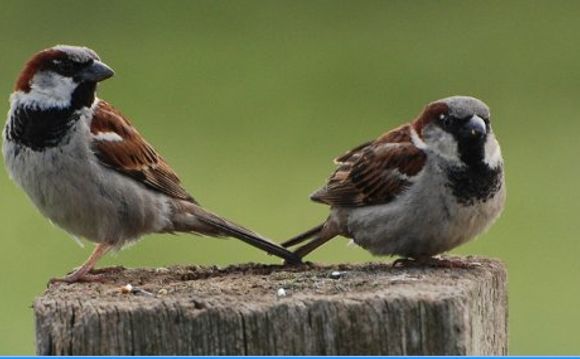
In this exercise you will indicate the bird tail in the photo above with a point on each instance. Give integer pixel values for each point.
(314, 238)
(212, 224)
(303, 236)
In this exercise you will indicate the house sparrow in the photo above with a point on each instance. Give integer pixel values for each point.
(419, 190)
(88, 170)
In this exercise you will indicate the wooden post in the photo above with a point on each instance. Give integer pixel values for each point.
(266, 309)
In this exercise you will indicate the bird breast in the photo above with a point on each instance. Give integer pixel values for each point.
(70, 187)
(426, 220)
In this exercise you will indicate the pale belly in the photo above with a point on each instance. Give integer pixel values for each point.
(84, 198)
(423, 225)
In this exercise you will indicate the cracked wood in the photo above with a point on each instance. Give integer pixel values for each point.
(239, 310)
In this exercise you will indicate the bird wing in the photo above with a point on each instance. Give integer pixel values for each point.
(118, 145)
(375, 172)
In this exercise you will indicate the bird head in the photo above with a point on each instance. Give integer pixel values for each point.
(62, 76)
(458, 128)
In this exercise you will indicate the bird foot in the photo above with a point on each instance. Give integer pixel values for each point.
(108, 270)
(433, 262)
(404, 263)
(77, 278)
(451, 263)
(86, 272)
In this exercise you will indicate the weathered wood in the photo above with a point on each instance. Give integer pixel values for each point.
(266, 309)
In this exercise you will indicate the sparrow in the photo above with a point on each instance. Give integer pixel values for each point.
(418, 190)
(89, 171)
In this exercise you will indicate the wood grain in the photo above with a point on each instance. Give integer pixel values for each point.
(366, 309)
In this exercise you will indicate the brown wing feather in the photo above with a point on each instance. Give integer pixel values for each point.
(373, 173)
(132, 156)
(345, 157)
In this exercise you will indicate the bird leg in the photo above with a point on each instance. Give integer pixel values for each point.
(81, 274)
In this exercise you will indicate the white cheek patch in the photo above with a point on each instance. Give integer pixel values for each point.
(442, 143)
(108, 136)
(48, 90)
(417, 141)
(492, 152)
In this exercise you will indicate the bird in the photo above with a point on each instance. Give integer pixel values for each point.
(418, 190)
(87, 168)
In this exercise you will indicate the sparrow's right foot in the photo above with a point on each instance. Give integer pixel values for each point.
(433, 262)
(107, 270)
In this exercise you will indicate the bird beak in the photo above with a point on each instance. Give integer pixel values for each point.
(96, 72)
(475, 127)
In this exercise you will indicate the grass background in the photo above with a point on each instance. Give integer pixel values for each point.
(250, 101)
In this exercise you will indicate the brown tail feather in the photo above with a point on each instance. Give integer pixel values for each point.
(231, 229)
(303, 236)
(312, 245)
(314, 238)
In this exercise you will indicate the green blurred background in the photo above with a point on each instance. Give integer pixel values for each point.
(251, 100)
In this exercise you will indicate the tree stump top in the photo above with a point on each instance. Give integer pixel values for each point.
(260, 284)
(286, 295)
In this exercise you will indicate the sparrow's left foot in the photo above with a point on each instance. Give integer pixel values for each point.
(434, 262)
(450, 263)
(77, 277)
(86, 273)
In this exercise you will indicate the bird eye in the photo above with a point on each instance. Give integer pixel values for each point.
(63, 66)
(445, 120)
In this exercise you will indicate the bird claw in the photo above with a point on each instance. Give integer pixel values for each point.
(434, 262)
(403, 263)
(74, 278)
(451, 263)
(107, 270)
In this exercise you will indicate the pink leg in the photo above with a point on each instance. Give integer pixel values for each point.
(81, 274)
